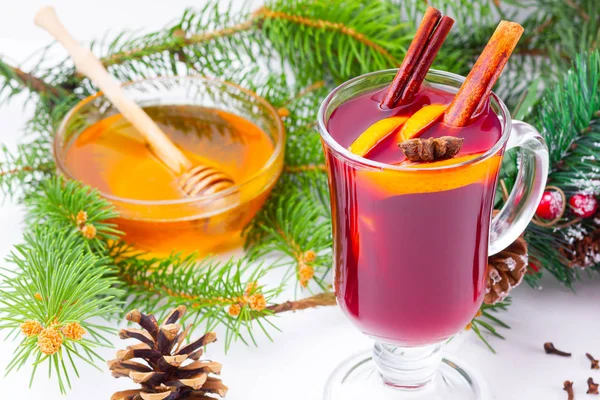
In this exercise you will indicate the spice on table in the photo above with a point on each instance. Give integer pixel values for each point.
(592, 386)
(593, 360)
(568, 387)
(550, 349)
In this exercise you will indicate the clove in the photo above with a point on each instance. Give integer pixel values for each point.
(550, 349)
(592, 386)
(568, 387)
(593, 360)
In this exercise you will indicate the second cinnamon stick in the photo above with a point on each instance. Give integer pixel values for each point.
(478, 85)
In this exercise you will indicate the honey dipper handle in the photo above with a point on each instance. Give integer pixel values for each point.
(87, 64)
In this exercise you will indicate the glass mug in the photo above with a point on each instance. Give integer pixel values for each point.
(411, 247)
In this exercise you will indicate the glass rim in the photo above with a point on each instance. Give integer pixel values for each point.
(365, 162)
(278, 147)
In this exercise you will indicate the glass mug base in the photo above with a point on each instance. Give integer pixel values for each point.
(359, 378)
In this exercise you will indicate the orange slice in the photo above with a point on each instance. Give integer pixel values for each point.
(374, 134)
(421, 120)
(393, 182)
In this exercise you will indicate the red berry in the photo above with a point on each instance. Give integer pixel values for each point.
(550, 206)
(583, 205)
(533, 268)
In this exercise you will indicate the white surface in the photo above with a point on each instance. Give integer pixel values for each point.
(296, 365)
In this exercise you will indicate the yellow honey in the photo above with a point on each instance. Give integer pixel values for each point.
(156, 215)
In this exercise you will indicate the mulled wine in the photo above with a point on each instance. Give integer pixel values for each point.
(412, 158)
(411, 246)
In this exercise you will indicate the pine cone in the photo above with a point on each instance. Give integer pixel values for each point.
(171, 372)
(585, 252)
(506, 271)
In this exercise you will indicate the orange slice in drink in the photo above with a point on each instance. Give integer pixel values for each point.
(397, 182)
(421, 120)
(374, 134)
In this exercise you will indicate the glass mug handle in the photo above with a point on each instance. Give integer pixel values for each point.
(528, 190)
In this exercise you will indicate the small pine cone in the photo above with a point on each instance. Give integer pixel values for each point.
(310, 256)
(257, 302)
(81, 218)
(170, 370)
(251, 287)
(585, 252)
(49, 341)
(73, 331)
(234, 310)
(283, 112)
(305, 274)
(31, 328)
(506, 271)
(89, 231)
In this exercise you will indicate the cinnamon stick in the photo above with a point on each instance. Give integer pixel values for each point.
(476, 89)
(413, 54)
(433, 47)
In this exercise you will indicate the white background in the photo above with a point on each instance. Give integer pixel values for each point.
(296, 365)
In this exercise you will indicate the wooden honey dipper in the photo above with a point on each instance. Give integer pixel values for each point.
(193, 179)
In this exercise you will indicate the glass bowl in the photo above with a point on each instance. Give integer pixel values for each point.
(202, 224)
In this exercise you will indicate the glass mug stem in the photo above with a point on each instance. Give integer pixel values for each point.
(407, 367)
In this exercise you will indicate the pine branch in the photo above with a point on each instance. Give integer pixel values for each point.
(216, 293)
(305, 168)
(572, 140)
(180, 38)
(57, 287)
(579, 93)
(338, 38)
(318, 300)
(290, 225)
(22, 170)
(326, 25)
(73, 207)
(486, 322)
(15, 80)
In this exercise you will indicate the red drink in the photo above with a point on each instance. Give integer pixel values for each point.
(411, 245)
(412, 200)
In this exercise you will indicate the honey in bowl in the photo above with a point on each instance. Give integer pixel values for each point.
(113, 157)
(106, 152)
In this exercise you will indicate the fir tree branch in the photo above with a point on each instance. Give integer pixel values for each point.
(57, 287)
(75, 208)
(330, 26)
(584, 15)
(180, 40)
(22, 169)
(572, 140)
(295, 169)
(318, 300)
(336, 37)
(27, 80)
(226, 293)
